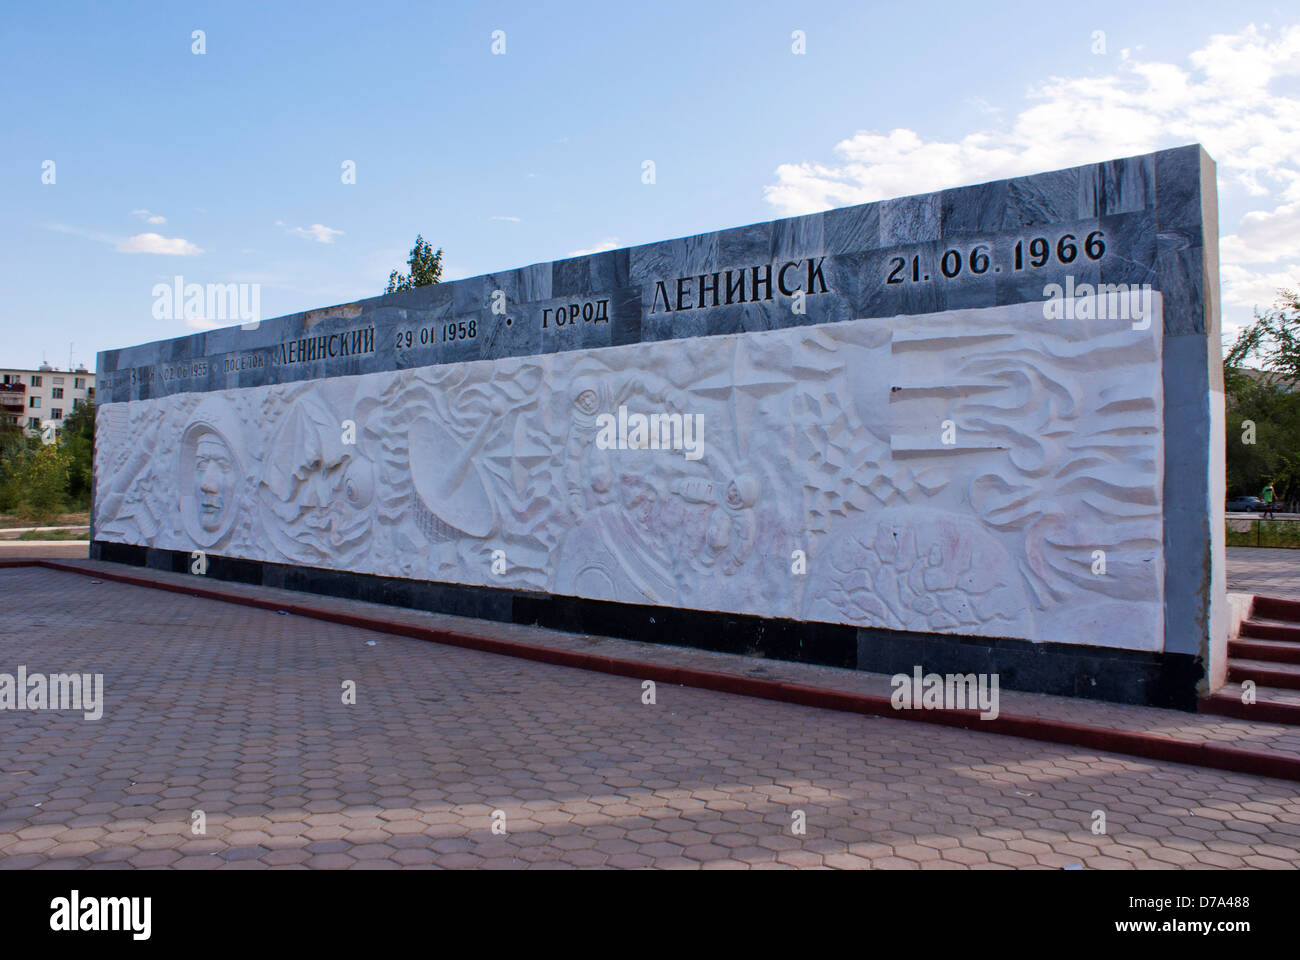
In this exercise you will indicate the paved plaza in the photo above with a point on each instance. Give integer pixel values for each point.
(53, 549)
(239, 713)
(1271, 572)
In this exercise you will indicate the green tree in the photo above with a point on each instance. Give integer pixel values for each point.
(1273, 339)
(44, 482)
(15, 447)
(425, 265)
(1263, 416)
(77, 443)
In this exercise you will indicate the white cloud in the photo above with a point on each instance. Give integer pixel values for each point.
(140, 243)
(1264, 236)
(1224, 103)
(317, 231)
(1250, 289)
(1223, 97)
(609, 243)
(157, 243)
(83, 232)
(507, 219)
(149, 217)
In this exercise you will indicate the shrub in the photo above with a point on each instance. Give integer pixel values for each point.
(44, 483)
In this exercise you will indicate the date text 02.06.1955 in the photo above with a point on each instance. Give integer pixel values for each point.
(981, 259)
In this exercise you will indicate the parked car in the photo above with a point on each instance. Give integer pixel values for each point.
(1246, 505)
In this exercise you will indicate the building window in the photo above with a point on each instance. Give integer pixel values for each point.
(58, 393)
(79, 383)
(34, 402)
(36, 381)
(33, 423)
(56, 413)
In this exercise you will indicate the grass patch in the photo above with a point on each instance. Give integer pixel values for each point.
(77, 518)
(1264, 533)
(54, 535)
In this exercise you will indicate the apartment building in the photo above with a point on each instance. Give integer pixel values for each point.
(33, 400)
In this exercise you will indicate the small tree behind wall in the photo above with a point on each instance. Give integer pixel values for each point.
(425, 265)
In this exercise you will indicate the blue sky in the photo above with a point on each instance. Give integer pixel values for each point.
(226, 167)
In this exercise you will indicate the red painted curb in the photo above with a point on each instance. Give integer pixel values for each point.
(1261, 711)
(1147, 745)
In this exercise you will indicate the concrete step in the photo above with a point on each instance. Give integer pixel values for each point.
(1280, 630)
(1269, 650)
(1276, 608)
(1284, 676)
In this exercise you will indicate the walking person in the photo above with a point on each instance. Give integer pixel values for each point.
(1267, 496)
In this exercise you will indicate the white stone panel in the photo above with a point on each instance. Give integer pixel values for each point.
(957, 472)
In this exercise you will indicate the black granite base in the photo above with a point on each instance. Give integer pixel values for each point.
(1092, 673)
(1063, 669)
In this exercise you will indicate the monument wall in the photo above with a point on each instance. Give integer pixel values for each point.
(972, 430)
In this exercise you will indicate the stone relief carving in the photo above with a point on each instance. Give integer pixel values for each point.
(213, 470)
(923, 570)
(316, 493)
(828, 439)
